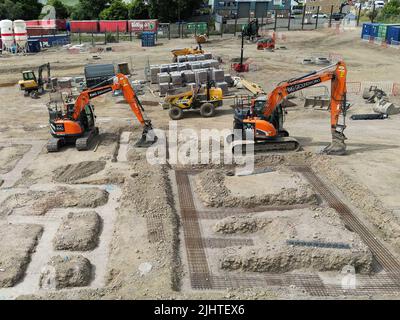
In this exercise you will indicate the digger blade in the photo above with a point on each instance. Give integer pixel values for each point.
(337, 146)
(147, 139)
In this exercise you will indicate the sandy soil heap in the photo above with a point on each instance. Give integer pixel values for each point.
(272, 253)
(66, 272)
(10, 155)
(77, 171)
(17, 242)
(271, 188)
(39, 202)
(78, 232)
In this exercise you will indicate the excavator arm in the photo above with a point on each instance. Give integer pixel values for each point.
(271, 132)
(121, 82)
(338, 90)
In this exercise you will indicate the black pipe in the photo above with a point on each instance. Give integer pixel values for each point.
(241, 51)
(369, 116)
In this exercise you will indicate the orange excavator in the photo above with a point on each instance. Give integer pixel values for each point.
(262, 123)
(76, 122)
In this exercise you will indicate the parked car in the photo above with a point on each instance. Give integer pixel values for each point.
(379, 4)
(320, 16)
(338, 16)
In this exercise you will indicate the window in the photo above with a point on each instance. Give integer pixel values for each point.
(29, 76)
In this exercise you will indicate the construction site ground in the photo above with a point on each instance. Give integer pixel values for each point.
(139, 231)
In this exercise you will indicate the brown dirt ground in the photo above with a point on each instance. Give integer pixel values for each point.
(369, 175)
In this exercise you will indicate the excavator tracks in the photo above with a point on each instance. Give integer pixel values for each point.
(281, 144)
(85, 142)
(53, 145)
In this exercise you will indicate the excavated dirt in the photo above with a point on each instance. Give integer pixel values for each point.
(66, 272)
(374, 209)
(216, 189)
(78, 232)
(39, 202)
(110, 175)
(240, 225)
(17, 242)
(77, 171)
(272, 253)
(10, 155)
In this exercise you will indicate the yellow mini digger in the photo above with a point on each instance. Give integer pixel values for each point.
(198, 98)
(32, 85)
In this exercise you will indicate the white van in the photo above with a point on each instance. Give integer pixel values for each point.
(379, 4)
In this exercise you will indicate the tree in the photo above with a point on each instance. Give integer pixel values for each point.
(62, 11)
(138, 9)
(372, 14)
(173, 10)
(89, 9)
(392, 8)
(20, 9)
(118, 10)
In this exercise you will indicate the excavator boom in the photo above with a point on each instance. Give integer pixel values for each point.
(266, 123)
(74, 125)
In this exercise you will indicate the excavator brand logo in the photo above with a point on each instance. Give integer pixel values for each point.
(99, 92)
(300, 86)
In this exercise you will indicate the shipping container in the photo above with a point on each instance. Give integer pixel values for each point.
(99, 74)
(393, 35)
(366, 30)
(38, 31)
(61, 24)
(84, 26)
(143, 25)
(52, 40)
(382, 30)
(374, 29)
(113, 26)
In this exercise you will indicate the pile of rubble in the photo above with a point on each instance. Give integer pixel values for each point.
(190, 70)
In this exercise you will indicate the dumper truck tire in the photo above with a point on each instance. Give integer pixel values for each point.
(175, 113)
(207, 110)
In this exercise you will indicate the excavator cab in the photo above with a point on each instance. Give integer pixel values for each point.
(88, 117)
(29, 75)
(29, 82)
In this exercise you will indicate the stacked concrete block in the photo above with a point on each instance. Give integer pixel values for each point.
(191, 57)
(164, 87)
(200, 57)
(218, 75)
(201, 76)
(173, 67)
(182, 67)
(164, 68)
(214, 63)
(182, 59)
(188, 76)
(190, 71)
(163, 78)
(176, 78)
(154, 71)
(206, 64)
(196, 65)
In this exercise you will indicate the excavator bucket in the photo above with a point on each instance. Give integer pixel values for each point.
(337, 146)
(147, 139)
